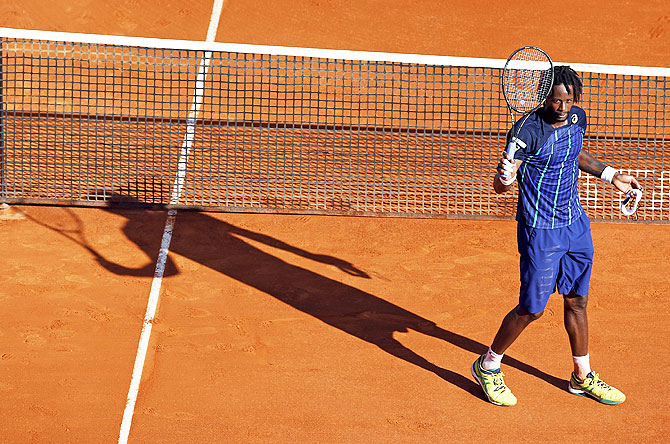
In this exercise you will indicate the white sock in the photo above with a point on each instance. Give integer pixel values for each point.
(492, 360)
(582, 365)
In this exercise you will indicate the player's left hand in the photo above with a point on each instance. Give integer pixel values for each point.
(625, 182)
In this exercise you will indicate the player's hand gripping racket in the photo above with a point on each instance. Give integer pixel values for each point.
(526, 82)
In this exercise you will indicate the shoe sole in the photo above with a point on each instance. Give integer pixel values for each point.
(474, 375)
(586, 394)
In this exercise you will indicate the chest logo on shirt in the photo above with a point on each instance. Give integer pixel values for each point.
(574, 118)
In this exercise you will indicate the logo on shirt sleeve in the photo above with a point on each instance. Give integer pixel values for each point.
(574, 118)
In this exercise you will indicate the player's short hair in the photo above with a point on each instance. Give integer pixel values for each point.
(564, 75)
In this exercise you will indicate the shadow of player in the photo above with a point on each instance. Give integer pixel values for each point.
(226, 248)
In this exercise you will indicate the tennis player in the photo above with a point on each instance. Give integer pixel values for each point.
(553, 235)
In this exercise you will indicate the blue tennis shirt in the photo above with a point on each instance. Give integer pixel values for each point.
(549, 175)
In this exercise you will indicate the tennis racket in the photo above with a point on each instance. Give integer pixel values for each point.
(630, 202)
(526, 82)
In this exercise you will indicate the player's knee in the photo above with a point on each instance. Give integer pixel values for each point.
(528, 316)
(575, 303)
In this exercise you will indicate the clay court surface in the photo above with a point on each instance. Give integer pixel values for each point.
(319, 329)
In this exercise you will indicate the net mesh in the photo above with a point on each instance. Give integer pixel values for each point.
(217, 129)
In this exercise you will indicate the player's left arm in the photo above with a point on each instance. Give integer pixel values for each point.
(591, 165)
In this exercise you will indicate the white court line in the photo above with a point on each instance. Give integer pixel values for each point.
(177, 189)
(370, 56)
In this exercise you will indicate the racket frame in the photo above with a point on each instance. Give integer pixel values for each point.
(635, 195)
(512, 146)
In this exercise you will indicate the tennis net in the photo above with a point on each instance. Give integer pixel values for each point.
(90, 119)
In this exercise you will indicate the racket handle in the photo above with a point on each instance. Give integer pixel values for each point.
(511, 149)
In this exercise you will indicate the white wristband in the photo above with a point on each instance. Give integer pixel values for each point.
(608, 174)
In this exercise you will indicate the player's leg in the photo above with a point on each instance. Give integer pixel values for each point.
(577, 325)
(486, 369)
(538, 270)
(573, 283)
(513, 324)
(539, 265)
(584, 381)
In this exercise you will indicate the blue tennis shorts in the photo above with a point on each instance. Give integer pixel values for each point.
(554, 259)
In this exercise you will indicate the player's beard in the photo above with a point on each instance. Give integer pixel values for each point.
(553, 116)
(558, 117)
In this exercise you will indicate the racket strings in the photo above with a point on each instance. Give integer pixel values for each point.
(527, 79)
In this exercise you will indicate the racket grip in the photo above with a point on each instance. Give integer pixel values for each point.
(511, 149)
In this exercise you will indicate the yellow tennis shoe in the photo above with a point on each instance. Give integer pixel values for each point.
(493, 384)
(595, 388)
